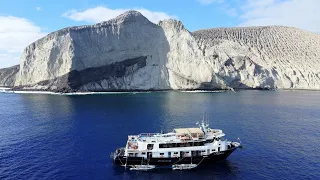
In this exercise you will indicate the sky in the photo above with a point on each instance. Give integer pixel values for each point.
(24, 21)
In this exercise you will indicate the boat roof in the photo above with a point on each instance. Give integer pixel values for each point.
(188, 131)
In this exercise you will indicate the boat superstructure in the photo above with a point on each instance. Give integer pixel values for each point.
(182, 148)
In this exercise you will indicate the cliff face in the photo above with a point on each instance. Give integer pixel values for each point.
(263, 57)
(131, 53)
(8, 75)
(128, 52)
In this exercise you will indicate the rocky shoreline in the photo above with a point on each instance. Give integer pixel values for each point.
(41, 91)
(8, 89)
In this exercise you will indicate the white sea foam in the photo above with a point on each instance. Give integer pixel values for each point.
(204, 91)
(4, 88)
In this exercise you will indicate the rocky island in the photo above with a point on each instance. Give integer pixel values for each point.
(131, 53)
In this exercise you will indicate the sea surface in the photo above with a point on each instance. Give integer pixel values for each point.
(71, 137)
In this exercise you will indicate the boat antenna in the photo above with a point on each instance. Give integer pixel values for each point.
(207, 119)
(203, 117)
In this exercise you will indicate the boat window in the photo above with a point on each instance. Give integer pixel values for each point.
(161, 154)
(174, 145)
(143, 153)
(209, 141)
(175, 153)
(203, 151)
(199, 143)
(213, 150)
(153, 141)
(150, 146)
(163, 145)
(189, 144)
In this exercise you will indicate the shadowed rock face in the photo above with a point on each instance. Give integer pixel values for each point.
(104, 76)
(8, 75)
(131, 53)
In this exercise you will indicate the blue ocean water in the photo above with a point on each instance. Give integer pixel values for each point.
(71, 137)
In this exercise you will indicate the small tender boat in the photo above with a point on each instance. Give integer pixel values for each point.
(183, 166)
(142, 167)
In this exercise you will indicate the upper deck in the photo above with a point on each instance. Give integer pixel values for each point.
(177, 136)
(194, 138)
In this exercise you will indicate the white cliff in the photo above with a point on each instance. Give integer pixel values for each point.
(128, 36)
(131, 53)
(263, 57)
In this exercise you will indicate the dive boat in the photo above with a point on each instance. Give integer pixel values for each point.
(183, 148)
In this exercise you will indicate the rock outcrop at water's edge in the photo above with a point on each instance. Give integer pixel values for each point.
(131, 53)
(8, 76)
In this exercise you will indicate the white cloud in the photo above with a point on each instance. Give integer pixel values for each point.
(303, 14)
(102, 13)
(207, 2)
(258, 3)
(15, 34)
(297, 13)
(38, 8)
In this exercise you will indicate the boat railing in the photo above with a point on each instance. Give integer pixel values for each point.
(147, 134)
(118, 152)
(189, 137)
(215, 131)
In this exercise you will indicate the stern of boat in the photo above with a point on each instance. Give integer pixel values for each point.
(117, 154)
